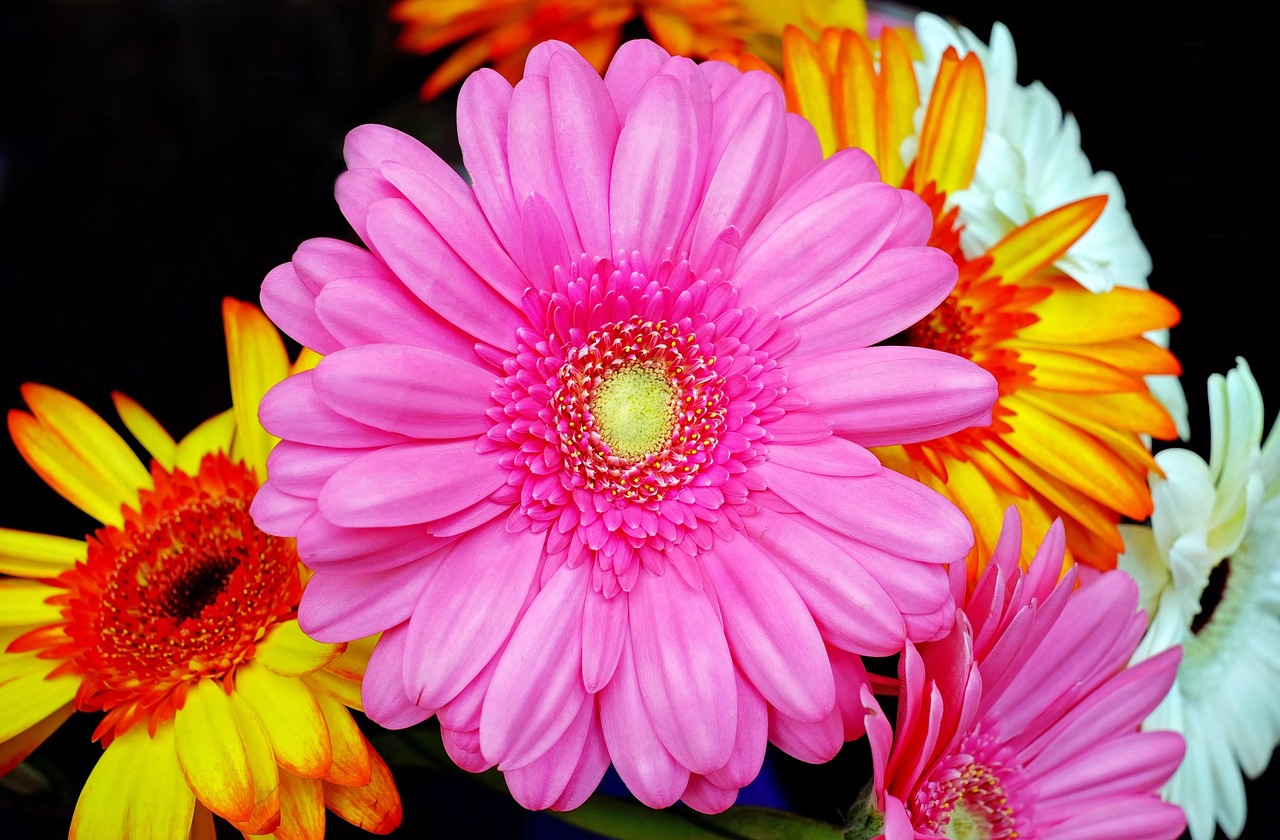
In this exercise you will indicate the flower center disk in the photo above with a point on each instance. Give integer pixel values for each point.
(635, 412)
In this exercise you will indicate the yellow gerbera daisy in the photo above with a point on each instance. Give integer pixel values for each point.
(1071, 430)
(501, 32)
(178, 620)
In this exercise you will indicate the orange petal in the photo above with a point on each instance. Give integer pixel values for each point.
(291, 717)
(349, 748)
(896, 100)
(375, 807)
(301, 808)
(853, 97)
(263, 769)
(211, 752)
(1038, 243)
(257, 359)
(808, 93)
(1074, 315)
(954, 121)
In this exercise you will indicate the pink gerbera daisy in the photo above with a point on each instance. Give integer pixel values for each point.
(588, 440)
(1024, 721)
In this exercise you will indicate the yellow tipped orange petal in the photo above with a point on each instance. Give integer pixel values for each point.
(301, 809)
(211, 752)
(1075, 373)
(15, 750)
(375, 807)
(136, 791)
(897, 97)
(153, 437)
(289, 652)
(257, 359)
(1072, 314)
(853, 97)
(807, 88)
(87, 435)
(1036, 244)
(31, 555)
(951, 136)
(291, 717)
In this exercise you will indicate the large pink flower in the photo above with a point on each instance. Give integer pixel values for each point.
(1023, 722)
(588, 440)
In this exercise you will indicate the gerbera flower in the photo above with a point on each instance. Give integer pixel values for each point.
(177, 620)
(1216, 532)
(502, 32)
(1070, 431)
(588, 441)
(1024, 721)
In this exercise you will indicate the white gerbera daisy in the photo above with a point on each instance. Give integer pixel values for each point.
(1032, 162)
(1216, 524)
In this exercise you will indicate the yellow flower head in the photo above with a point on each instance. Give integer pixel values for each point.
(177, 619)
(1071, 429)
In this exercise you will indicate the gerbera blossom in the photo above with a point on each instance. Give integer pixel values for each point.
(588, 440)
(502, 32)
(1070, 433)
(1024, 722)
(1215, 532)
(177, 620)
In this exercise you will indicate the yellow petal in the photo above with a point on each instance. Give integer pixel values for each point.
(1030, 247)
(202, 827)
(289, 652)
(153, 437)
(954, 121)
(211, 752)
(213, 435)
(342, 678)
(375, 807)
(257, 360)
(87, 435)
(135, 792)
(301, 809)
(349, 748)
(307, 360)
(292, 718)
(32, 555)
(70, 475)
(806, 85)
(23, 602)
(262, 769)
(29, 697)
(15, 750)
(896, 100)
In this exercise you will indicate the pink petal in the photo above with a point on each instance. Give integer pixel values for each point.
(720, 75)
(644, 764)
(291, 306)
(832, 238)
(687, 672)
(531, 149)
(893, 291)
(382, 692)
(604, 627)
(361, 312)
(301, 469)
(484, 104)
(916, 225)
(771, 634)
(887, 396)
(292, 410)
(1137, 763)
(886, 510)
(432, 271)
(278, 513)
(652, 182)
(321, 541)
(342, 608)
(701, 795)
(1147, 818)
(537, 688)
(463, 746)
(356, 190)
(544, 244)
(468, 608)
(845, 599)
(410, 390)
(829, 456)
(749, 744)
(633, 64)
(410, 483)
(804, 155)
(541, 782)
(815, 743)
(586, 132)
(592, 765)
(850, 677)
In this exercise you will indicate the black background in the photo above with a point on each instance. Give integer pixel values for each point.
(157, 155)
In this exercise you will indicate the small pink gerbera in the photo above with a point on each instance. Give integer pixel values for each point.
(1023, 722)
(588, 441)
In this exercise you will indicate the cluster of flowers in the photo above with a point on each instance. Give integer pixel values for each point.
(732, 361)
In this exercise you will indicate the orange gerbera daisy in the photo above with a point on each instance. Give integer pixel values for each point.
(178, 620)
(1071, 428)
(501, 32)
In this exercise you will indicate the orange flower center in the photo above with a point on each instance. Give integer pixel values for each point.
(182, 591)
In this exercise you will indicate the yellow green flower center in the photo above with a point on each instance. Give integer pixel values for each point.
(635, 411)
